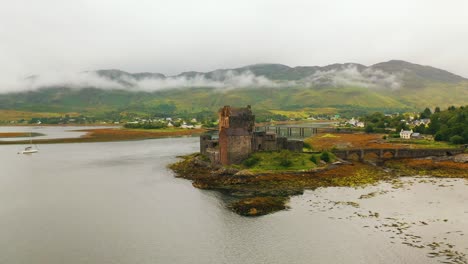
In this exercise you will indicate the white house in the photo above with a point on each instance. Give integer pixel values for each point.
(406, 134)
(187, 126)
(353, 121)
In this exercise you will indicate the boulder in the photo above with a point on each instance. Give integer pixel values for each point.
(462, 158)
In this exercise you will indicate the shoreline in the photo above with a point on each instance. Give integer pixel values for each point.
(256, 194)
(112, 135)
(60, 125)
(246, 184)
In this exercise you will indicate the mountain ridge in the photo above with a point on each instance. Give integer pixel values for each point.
(411, 74)
(391, 66)
(347, 87)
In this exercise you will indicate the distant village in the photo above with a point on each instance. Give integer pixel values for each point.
(410, 122)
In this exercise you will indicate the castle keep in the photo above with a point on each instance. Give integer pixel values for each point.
(237, 138)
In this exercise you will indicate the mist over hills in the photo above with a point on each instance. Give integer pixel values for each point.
(411, 75)
(391, 86)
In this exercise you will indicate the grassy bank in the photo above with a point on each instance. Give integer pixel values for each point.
(423, 143)
(375, 141)
(18, 134)
(278, 161)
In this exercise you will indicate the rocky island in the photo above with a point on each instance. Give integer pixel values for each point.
(260, 170)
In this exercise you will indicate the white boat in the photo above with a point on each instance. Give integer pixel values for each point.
(30, 149)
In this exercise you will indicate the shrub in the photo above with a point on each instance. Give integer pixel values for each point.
(314, 159)
(285, 163)
(307, 145)
(285, 159)
(251, 161)
(327, 156)
(369, 129)
(456, 139)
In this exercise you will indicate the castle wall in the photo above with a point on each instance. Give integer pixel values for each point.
(213, 155)
(295, 145)
(237, 139)
(239, 148)
(264, 141)
(207, 143)
(281, 143)
(235, 134)
(204, 139)
(223, 147)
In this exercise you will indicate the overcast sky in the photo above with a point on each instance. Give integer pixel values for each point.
(172, 36)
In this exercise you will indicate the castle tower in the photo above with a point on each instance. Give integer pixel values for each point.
(236, 127)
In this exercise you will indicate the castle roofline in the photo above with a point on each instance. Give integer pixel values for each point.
(237, 111)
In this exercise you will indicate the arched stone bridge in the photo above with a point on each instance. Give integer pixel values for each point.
(396, 153)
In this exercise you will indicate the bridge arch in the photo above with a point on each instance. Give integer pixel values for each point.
(372, 155)
(388, 154)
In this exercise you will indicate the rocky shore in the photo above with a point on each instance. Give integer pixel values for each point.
(258, 194)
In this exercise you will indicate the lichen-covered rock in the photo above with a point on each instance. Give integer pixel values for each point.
(462, 158)
(244, 173)
(256, 206)
(224, 171)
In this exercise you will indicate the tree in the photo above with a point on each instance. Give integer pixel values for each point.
(420, 129)
(456, 139)
(438, 136)
(369, 128)
(314, 159)
(401, 125)
(426, 113)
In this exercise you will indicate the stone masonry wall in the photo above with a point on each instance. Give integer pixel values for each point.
(239, 148)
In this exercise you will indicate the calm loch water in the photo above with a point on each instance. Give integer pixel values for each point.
(118, 203)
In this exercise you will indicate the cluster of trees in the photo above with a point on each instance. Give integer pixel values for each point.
(60, 120)
(146, 125)
(263, 116)
(348, 112)
(449, 125)
(380, 123)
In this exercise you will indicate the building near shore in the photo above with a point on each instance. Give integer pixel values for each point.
(237, 138)
(406, 134)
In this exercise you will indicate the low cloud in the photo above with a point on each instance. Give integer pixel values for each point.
(225, 80)
(352, 76)
(345, 76)
(58, 79)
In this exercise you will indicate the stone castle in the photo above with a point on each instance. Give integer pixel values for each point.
(238, 138)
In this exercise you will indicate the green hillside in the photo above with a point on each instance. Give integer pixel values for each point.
(348, 88)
